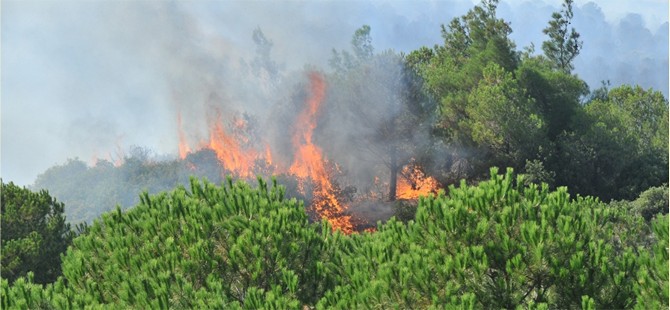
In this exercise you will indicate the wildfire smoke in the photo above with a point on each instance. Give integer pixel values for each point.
(236, 152)
(309, 161)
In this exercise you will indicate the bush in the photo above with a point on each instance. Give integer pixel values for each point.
(499, 244)
(210, 247)
(404, 210)
(652, 202)
(34, 234)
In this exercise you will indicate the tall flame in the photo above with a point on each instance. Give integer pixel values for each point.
(232, 150)
(239, 155)
(309, 161)
(184, 149)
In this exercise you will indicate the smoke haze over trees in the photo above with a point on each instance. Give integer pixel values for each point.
(377, 158)
(89, 80)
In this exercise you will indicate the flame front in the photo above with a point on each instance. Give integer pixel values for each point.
(230, 150)
(239, 155)
(413, 183)
(308, 162)
(184, 149)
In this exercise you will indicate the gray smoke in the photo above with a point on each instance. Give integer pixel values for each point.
(90, 79)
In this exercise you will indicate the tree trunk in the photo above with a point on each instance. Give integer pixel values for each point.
(393, 183)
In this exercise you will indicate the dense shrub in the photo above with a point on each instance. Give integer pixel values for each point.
(498, 244)
(34, 234)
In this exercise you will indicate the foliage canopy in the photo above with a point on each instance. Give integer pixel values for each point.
(34, 234)
(498, 244)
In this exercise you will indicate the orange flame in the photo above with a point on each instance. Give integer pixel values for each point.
(413, 183)
(231, 150)
(184, 149)
(238, 154)
(309, 161)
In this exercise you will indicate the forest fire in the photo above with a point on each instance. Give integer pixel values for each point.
(233, 150)
(184, 149)
(308, 161)
(243, 154)
(237, 154)
(413, 183)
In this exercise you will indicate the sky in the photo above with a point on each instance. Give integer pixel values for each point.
(655, 12)
(89, 79)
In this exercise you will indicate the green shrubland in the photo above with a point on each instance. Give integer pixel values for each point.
(499, 244)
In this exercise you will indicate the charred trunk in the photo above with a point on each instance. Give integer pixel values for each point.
(393, 183)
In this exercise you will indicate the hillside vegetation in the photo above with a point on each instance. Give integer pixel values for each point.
(500, 244)
(577, 220)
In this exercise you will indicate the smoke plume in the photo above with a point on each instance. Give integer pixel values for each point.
(91, 79)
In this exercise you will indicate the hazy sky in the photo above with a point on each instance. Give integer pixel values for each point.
(655, 12)
(89, 79)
